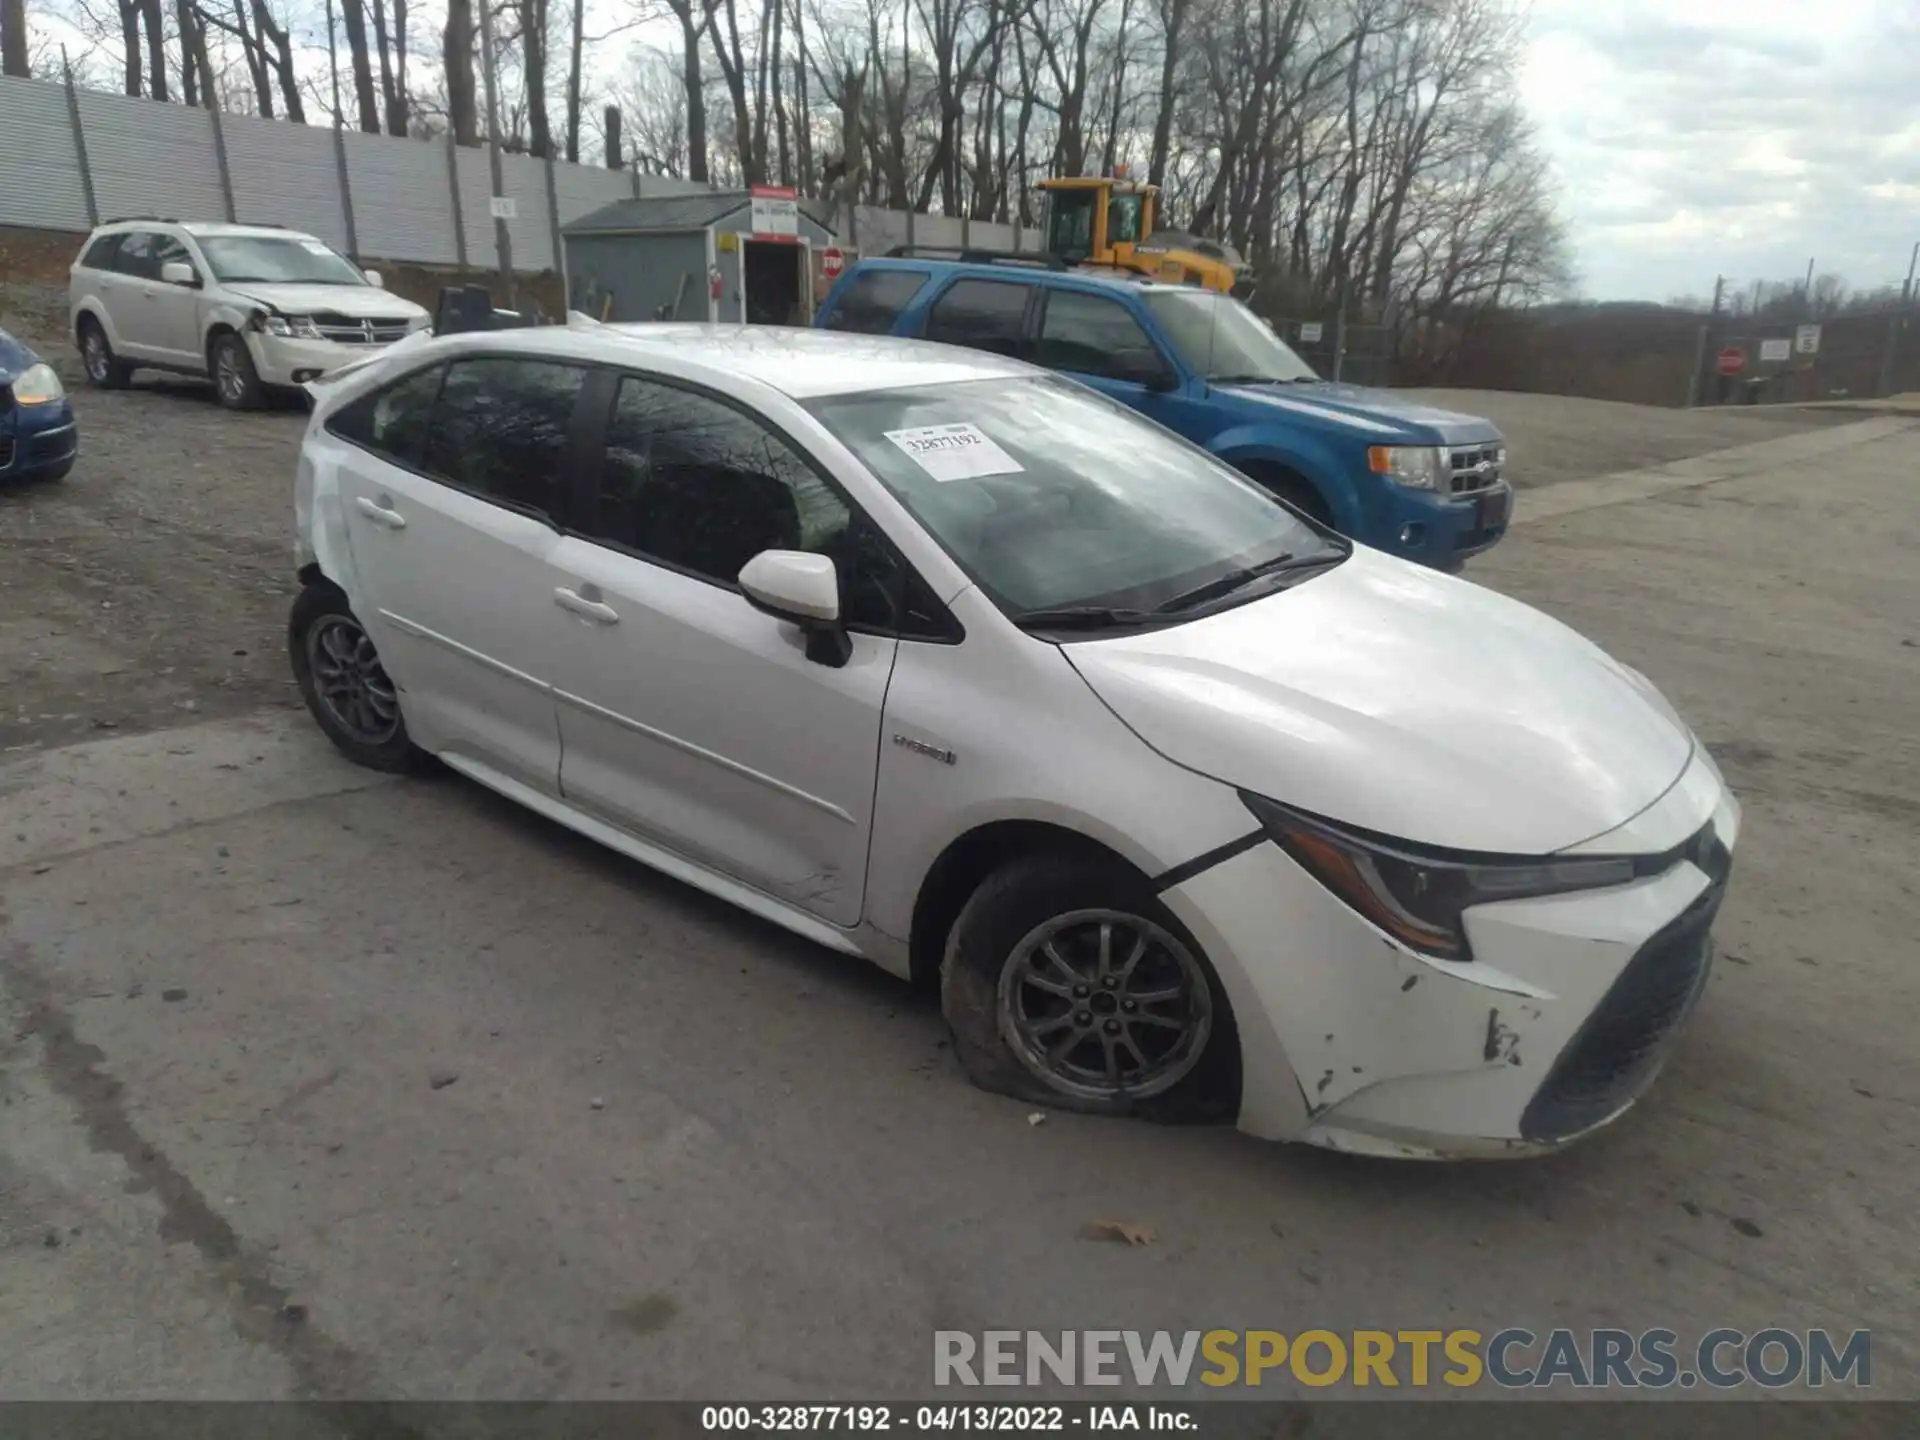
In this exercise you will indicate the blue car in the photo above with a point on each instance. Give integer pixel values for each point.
(38, 437)
(1425, 484)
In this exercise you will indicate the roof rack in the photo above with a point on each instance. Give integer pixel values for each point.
(969, 256)
(124, 219)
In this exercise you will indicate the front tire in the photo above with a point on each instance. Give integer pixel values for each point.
(105, 370)
(1067, 984)
(235, 380)
(346, 688)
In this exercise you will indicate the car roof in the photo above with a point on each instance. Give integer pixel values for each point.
(1036, 273)
(206, 228)
(802, 364)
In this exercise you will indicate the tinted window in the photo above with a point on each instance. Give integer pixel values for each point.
(1095, 336)
(135, 255)
(99, 255)
(981, 314)
(873, 300)
(501, 429)
(695, 483)
(392, 421)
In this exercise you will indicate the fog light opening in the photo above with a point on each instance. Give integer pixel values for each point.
(1413, 534)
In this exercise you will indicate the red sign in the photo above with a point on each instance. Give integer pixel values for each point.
(1732, 360)
(832, 261)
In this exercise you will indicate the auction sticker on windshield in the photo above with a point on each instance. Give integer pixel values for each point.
(954, 452)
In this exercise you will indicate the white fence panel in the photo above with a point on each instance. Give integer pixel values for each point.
(878, 231)
(39, 170)
(151, 159)
(286, 174)
(526, 182)
(403, 200)
(581, 189)
(528, 231)
(937, 230)
(988, 235)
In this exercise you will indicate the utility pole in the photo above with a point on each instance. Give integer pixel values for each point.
(333, 64)
(502, 242)
(1906, 290)
(1806, 292)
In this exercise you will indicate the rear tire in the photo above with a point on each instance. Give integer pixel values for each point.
(1067, 984)
(235, 380)
(346, 688)
(105, 370)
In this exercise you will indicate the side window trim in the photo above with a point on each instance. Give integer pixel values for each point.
(587, 487)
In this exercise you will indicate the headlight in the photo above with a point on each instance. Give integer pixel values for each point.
(418, 322)
(38, 385)
(299, 327)
(1418, 467)
(1418, 895)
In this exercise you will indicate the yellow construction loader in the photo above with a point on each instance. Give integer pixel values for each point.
(1111, 221)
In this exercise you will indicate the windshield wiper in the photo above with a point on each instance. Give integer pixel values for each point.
(1261, 379)
(1081, 617)
(1237, 579)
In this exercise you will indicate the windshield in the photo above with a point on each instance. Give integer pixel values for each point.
(1052, 496)
(1070, 228)
(1123, 219)
(1224, 340)
(277, 259)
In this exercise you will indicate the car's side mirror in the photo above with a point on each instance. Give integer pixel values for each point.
(803, 590)
(375, 279)
(179, 272)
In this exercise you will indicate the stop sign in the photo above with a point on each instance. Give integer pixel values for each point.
(1732, 360)
(832, 261)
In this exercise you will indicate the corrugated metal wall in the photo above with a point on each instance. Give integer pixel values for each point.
(285, 175)
(39, 172)
(402, 203)
(148, 159)
(153, 159)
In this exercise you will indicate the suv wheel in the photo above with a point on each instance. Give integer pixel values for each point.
(105, 370)
(345, 685)
(234, 378)
(1067, 984)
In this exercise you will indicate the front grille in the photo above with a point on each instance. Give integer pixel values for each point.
(351, 330)
(1620, 1047)
(1477, 468)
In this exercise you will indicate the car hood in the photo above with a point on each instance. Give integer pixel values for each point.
(362, 302)
(14, 357)
(1382, 415)
(1401, 701)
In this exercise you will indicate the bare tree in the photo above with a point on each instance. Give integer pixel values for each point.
(13, 38)
(456, 59)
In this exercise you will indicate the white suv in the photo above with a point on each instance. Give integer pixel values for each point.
(1193, 807)
(253, 307)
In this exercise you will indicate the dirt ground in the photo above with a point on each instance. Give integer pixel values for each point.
(323, 1085)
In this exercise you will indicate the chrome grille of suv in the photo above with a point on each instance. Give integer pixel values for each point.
(1468, 475)
(350, 330)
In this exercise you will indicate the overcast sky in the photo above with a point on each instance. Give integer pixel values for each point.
(1739, 137)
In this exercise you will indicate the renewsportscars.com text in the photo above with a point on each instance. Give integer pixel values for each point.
(1512, 1358)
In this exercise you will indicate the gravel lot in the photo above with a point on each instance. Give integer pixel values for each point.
(323, 1085)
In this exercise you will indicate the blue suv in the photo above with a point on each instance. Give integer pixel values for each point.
(1425, 484)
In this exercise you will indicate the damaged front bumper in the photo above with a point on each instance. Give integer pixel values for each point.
(1560, 1021)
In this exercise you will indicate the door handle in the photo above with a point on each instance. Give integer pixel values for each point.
(587, 609)
(380, 514)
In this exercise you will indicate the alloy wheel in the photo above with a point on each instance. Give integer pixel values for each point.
(95, 349)
(1101, 1004)
(350, 681)
(227, 376)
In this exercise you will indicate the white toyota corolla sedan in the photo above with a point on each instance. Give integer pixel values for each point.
(1195, 809)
